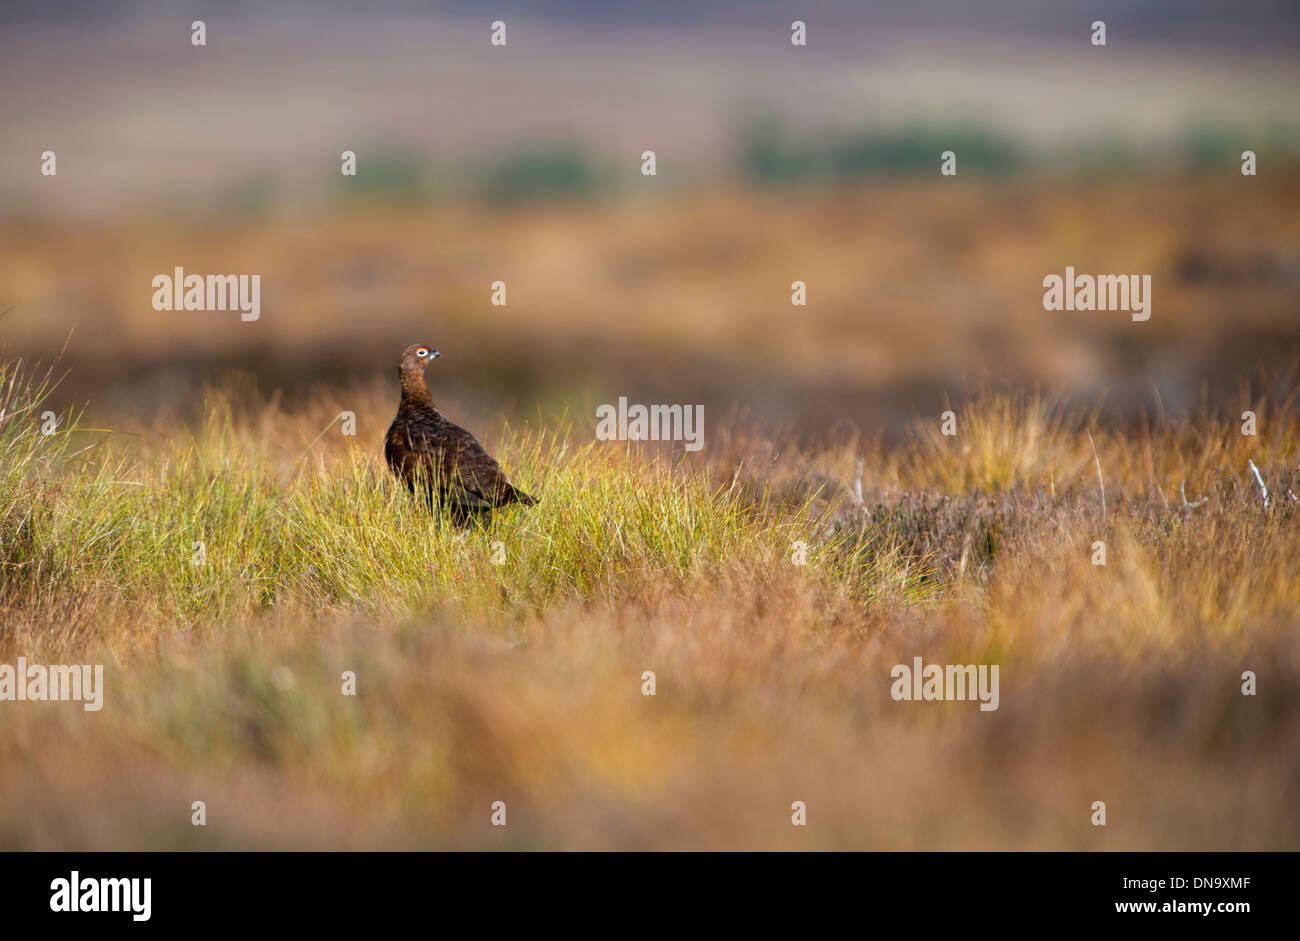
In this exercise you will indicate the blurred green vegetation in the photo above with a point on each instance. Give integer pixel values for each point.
(771, 155)
(557, 170)
(391, 177)
(1210, 143)
(768, 153)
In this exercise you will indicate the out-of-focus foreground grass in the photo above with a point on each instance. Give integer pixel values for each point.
(228, 572)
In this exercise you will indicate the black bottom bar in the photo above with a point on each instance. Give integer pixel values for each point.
(659, 891)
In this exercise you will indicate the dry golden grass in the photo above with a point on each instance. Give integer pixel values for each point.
(522, 682)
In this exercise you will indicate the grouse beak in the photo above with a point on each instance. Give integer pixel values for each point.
(434, 354)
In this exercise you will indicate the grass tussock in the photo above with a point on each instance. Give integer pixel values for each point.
(229, 572)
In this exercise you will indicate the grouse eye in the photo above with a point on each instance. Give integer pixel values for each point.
(422, 352)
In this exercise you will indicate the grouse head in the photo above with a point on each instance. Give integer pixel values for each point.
(414, 359)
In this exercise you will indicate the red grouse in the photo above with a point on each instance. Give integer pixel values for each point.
(429, 453)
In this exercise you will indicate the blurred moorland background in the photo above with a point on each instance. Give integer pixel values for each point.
(775, 164)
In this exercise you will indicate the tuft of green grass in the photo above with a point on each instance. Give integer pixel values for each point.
(209, 527)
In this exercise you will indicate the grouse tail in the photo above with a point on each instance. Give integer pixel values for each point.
(522, 498)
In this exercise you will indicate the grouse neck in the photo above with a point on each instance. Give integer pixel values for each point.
(414, 389)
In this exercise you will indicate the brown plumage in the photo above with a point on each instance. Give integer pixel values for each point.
(428, 452)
